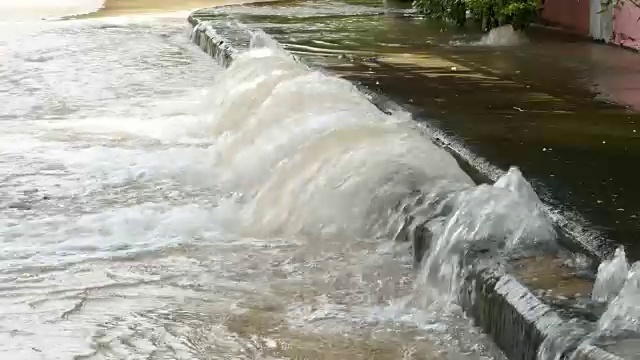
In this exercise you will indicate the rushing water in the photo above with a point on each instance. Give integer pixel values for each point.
(612, 275)
(156, 206)
(618, 283)
(618, 329)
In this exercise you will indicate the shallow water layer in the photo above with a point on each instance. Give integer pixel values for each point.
(153, 205)
(129, 7)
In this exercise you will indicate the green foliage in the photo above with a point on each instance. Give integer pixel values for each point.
(492, 13)
(453, 10)
(520, 14)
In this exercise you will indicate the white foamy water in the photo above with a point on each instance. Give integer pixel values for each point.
(623, 312)
(154, 205)
(498, 219)
(618, 329)
(20, 10)
(618, 282)
(612, 274)
(502, 36)
(497, 37)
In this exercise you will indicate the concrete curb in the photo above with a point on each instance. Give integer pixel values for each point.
(515, 319)
(212, 42)
(518, 322)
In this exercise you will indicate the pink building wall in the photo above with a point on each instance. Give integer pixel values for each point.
(626, 27)
(577, 16)
(572, 15)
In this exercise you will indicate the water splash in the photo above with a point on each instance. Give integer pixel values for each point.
(618, 329)
(623, 312)
(313, 157)
(493, 220)
(500, 36)
(612, 275)
(503, 36)
(139, 195)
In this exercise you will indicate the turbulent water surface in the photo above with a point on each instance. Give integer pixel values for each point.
(156, 206)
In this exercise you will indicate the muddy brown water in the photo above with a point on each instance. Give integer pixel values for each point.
(559, 107)
(125, 7)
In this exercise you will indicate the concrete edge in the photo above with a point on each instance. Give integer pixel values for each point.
(211, 42)
(517, 321)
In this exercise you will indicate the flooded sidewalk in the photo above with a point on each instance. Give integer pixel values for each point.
(562, 109)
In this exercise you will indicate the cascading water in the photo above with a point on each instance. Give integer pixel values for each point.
(496, 220)
(330, 164)
(618, 283)
(156, 205)
(313, 155)
(618, 329)
(612, 275)
(623, 312)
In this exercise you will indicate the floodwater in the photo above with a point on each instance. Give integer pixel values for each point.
(564, 110)
(156, 206)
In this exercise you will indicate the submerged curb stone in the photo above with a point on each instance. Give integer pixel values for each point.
(518, 322)
(516, 319)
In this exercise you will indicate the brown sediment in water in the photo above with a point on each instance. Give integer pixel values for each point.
(552, 275)
(272, 337)
(129, 7)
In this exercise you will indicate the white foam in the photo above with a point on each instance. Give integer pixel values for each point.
(623, 313)
(504, 217)
(497, 37)
(502, 36)
(316, 158)
(114, 163)
(618, 282)
(317, 155)
(612, 274)
(11, 10)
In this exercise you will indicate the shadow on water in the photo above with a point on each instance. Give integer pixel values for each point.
(557, 106)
